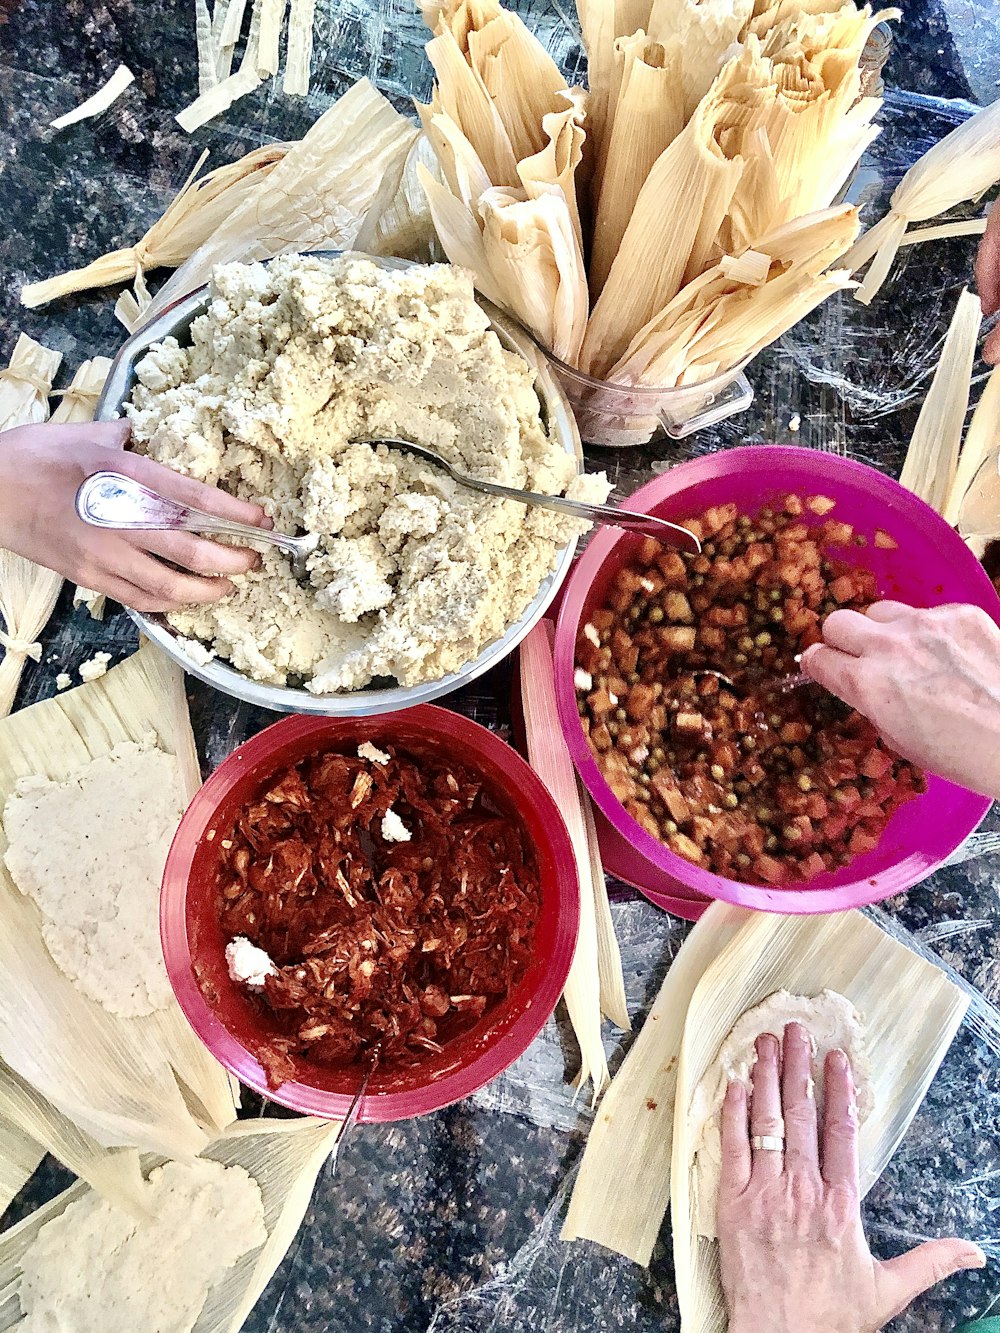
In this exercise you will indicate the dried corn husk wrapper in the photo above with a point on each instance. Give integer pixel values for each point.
(639, 1154)
(28, 593)
(932, 457)
(284, 1157)
(623, 1187)
(32, 1126)
(220, 96)
(202, 205)
(974, 502)
(100, 101)
(706, 33)
(406, 229)
(300, 43)
(725, 317)
(328, 192)
(550, 759)
(602, 22)
(139, 1082)
(906, 1038)
(963, 165)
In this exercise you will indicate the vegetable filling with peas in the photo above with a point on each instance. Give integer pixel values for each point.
(739, 775)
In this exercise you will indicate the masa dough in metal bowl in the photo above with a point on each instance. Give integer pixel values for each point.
(833, 1024)
(289, 366)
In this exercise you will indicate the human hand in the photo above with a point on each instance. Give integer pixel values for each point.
(988, 281)
(792, 1249)
(928, 680)
(41, 469)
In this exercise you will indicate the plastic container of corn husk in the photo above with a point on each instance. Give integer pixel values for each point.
(930, 566)
(233, 1028)
(624, 416)
(388, 695)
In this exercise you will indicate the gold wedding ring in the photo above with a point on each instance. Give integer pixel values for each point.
(767, 1143)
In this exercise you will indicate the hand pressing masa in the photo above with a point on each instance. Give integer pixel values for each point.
(792, 1249)
(41, 469)
(928, 679)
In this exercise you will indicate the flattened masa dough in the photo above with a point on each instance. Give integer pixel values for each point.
(95, 1269)
(90, 852)
(289, 367)
(833, 1023)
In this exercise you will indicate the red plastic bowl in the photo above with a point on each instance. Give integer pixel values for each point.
(191, 933)
(930, 567)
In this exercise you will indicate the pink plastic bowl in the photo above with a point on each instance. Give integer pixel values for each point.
(931, 567)
(232, 1027)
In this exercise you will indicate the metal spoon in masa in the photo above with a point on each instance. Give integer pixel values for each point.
(670, 534)
(110, 500)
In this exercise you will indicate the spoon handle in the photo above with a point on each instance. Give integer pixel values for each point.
(650, 526)
(110, 500)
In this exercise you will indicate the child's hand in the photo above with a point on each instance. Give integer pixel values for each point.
(988, 281)
(41, 470)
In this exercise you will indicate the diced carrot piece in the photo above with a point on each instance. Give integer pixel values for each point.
(861, 842)
(793, 733)
(672, 567)
(834, 828)
(793, 505)
(649, 549)
(812, 866)
(842, 589)
(884, 542)
(639, 702)
(817, 806)
(837, 534)
(683, 846)
(678, 638)
(769, 869)
(876, 764)
(820, 504)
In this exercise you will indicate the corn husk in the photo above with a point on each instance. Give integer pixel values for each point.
(300, 44)
(602, 22)
(325, 191)
(910, 1011)
(100, 101)
(534, 257)
(723, 318)
(28, 593)
(946, 231)
(961, 166)
(972, 505)
(552, 170)
(550, 759)
(20, 1158)
(272, 18)
(201, 206)
(208, 68)
(647, 114)
(614, 1004)
(706, 32)
(40, 1128)
(459, 233)
(221, 96)
(406, 229)
(700, 183)
(623, 1187)
(461, 95)
(283, 1156)
(144, 1082)
(932, 457)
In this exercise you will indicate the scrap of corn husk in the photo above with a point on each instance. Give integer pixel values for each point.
(28, 593)
(100, 101)
(961, 166)
(932, 457)
(327, 192)
(201, 206)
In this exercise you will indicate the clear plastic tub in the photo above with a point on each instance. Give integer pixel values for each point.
(931, 566)
(620, 416)
(232, 1028)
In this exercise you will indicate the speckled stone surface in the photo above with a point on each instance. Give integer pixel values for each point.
(451, 1223)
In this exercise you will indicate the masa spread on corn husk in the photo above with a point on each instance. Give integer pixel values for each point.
(90, 852)
(833, 1024)
(289, 366)
(113, 1281)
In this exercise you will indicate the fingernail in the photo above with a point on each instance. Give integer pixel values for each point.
(767, 1045)
(736, 1093)
(977, 1257)
(840, 1060)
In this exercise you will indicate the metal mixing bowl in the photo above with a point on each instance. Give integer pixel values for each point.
(176, 322)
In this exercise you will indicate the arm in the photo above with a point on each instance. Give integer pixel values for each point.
(988, 281)
(41, 469)
(929, 680)
(792, 1250)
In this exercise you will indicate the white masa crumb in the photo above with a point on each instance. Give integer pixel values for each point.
(795, 423)
(64, 680)
(247, 963)
(393, 828)
(583, 680)
(95, 668)
(368, 751)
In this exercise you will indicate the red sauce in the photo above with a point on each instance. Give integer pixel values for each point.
(402, 945)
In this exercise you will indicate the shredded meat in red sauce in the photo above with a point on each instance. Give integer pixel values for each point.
(752, 783)
(400, 944)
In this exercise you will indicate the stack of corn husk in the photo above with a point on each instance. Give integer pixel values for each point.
(348, 183)
(640, 1154)
(640, 230)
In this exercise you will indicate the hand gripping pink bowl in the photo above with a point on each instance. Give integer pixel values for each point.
(931, 566)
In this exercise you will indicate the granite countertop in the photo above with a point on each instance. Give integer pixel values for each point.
(451, 1222)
